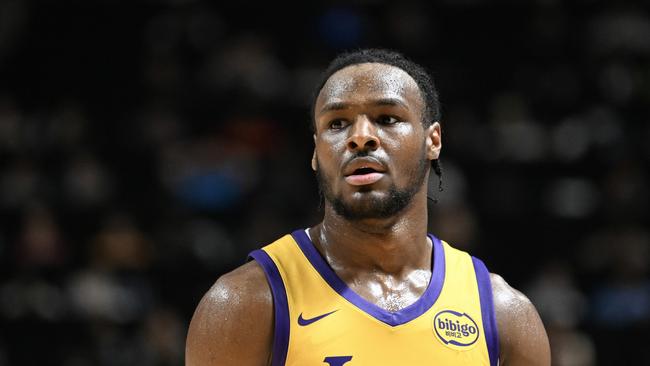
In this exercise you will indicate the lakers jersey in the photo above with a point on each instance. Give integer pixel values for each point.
(319, 320)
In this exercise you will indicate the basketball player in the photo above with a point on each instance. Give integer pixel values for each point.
(368, 285)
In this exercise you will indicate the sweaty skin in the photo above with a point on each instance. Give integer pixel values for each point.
(375, 109)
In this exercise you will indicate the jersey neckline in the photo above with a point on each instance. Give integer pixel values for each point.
(392, 318)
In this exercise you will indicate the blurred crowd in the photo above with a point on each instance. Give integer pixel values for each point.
(146, 148)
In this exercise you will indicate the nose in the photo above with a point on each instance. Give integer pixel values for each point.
(363, 135)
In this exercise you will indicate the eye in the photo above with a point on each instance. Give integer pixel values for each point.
(337, 124)
(387, 120)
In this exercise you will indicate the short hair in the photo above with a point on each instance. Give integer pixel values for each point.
(428, 90)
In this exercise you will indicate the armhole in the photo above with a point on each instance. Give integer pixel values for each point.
(280, 306)
(487, 310)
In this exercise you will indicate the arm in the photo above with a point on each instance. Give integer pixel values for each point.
(233, 323)
(522, 338)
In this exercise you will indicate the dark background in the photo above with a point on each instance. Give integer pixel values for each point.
(147, 147)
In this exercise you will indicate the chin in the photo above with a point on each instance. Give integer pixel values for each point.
(366, 205)
(367, 193)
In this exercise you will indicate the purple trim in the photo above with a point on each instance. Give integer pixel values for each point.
(402, 316)
(280, 305)
(487, 310)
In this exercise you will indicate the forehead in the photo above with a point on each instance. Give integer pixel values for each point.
(362, 83)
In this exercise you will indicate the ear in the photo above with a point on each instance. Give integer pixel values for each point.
(313, 157)
(434, 141)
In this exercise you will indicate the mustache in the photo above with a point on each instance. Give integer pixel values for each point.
(364, 154)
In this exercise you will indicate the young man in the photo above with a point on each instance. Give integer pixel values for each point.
(368, 285)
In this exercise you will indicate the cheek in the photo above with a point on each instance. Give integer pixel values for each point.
(403, 141)
(330, 145)
(327, 153)
(332, 141)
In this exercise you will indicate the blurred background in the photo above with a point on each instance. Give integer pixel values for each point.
(147, 147)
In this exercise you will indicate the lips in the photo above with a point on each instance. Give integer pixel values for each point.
(363, 171)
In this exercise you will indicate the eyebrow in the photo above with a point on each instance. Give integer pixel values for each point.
(337, 106)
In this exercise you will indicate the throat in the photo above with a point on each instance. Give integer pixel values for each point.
(395, 252)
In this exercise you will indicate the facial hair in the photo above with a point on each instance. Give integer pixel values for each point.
(375, 207)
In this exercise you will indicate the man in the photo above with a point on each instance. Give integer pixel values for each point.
(368, 285)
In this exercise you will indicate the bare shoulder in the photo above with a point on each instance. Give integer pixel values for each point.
(523, 339)
(233, 322)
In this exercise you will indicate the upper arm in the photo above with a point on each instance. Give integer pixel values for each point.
(522, 337)
(233, 323)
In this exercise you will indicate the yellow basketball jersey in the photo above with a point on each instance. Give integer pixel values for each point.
(319, 320)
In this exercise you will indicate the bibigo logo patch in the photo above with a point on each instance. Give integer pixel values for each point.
(456, 330)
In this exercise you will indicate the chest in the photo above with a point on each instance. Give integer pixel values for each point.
(389, 292)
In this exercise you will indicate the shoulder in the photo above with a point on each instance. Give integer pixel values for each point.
(522, 337)
(233, 322)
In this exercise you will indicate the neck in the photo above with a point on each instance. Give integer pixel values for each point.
(391, 245)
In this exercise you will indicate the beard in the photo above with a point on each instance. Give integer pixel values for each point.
(372, 206)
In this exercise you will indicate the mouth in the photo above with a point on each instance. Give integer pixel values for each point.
(363, 176)
(364, 170)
